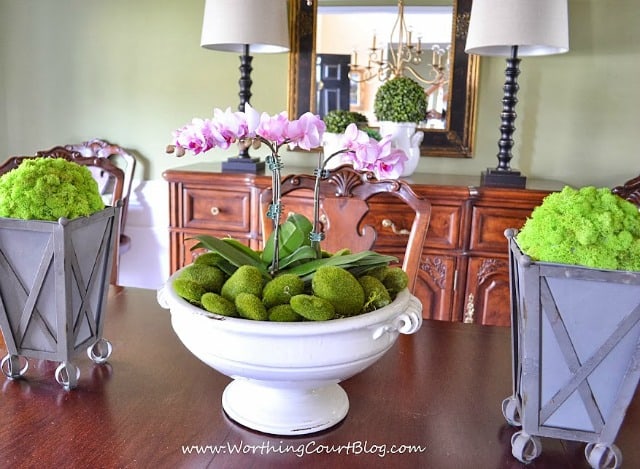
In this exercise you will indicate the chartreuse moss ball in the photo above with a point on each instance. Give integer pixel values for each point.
(280, 289)
(313, 308)
(376, 295)
(283, 313)
(189, 290)
(210, 278)
(250, 306)
(48, 189)
(215, 303)
(246, 279)
(340, 288)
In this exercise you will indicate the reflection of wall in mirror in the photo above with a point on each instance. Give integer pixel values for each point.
(350, 30)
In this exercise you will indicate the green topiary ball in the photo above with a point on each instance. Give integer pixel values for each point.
(49, 189)
(400, 100)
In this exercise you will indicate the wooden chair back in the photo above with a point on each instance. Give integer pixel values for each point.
(630, 190)
(122, 159)
(345, 195)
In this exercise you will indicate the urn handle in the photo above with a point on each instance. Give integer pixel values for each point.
(407, 322)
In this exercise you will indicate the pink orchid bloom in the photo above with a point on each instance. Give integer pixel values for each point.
(252, 119)
(391, 165)
(196, 137)
(307, 131)
(273, 128)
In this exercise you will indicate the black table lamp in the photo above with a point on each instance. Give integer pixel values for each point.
(245, 27)
(513, 28)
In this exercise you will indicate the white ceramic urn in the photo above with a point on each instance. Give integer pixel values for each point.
(405, 137)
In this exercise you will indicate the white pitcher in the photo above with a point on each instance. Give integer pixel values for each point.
(406, 138)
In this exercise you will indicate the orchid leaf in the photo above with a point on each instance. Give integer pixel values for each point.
(244, 248)
(303, 253)
(291, 238)
(364, 258)
(229, 252)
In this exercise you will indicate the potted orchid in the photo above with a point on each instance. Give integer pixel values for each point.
(290, 322)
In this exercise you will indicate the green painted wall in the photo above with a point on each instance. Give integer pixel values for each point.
(132, 71)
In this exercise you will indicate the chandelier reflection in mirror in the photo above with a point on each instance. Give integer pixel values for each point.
(401, 56)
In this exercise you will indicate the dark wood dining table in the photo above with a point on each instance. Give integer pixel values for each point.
(433, 401)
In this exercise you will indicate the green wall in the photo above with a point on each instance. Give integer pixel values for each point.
(132, 71)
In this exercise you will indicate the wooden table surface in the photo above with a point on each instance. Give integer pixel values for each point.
(440, 389)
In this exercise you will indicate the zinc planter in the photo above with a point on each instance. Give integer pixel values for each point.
(576, 355)
(294, 368)
(54, 280)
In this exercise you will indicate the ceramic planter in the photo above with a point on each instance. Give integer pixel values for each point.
(576, 350)
(295, 368)
(54, 279)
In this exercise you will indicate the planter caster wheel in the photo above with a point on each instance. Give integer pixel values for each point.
(525, 448)
(11, 366)
(511, 411)
(67, 374)
(100, 352)
(601, 456)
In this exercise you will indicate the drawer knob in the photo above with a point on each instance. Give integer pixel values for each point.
(215, 211)
(386, 223)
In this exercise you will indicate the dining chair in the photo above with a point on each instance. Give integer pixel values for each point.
(345, 196)
(104, 166)
(630, 190)
(121, 158)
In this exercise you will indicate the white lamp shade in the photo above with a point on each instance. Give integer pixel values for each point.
(537, 27)
(228, 25)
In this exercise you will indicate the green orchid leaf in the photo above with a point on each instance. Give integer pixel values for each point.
(303, 253)
(291, 238)
(303, 224)
(229, 252)
(243, 247)
(368, 258)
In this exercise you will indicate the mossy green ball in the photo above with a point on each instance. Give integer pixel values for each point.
(250, 306)
(313, 308)
(280, 289)
(215, 303)
(340, 288)
(189, 290)
(376, 295)
(209, 277)
(246, 279)
(283, 313)
(396, 280)
(209, 258)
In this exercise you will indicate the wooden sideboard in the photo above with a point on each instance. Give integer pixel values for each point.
(464, 272)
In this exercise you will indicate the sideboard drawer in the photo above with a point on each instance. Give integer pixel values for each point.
(488, 225)
(217, 209)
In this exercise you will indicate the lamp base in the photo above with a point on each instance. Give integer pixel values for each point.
(243, 165)
(501, 178)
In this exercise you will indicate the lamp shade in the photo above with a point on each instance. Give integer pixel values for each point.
(228, 25)
(537, 27)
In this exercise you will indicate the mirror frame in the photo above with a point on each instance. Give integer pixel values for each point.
(456, 141)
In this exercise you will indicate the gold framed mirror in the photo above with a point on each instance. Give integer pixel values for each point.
(456, 140)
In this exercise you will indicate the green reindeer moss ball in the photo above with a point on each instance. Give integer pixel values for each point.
(189, 290)
(283, 313)
(376, 295)
(395, 280)
(210, 278)
(49, 189)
